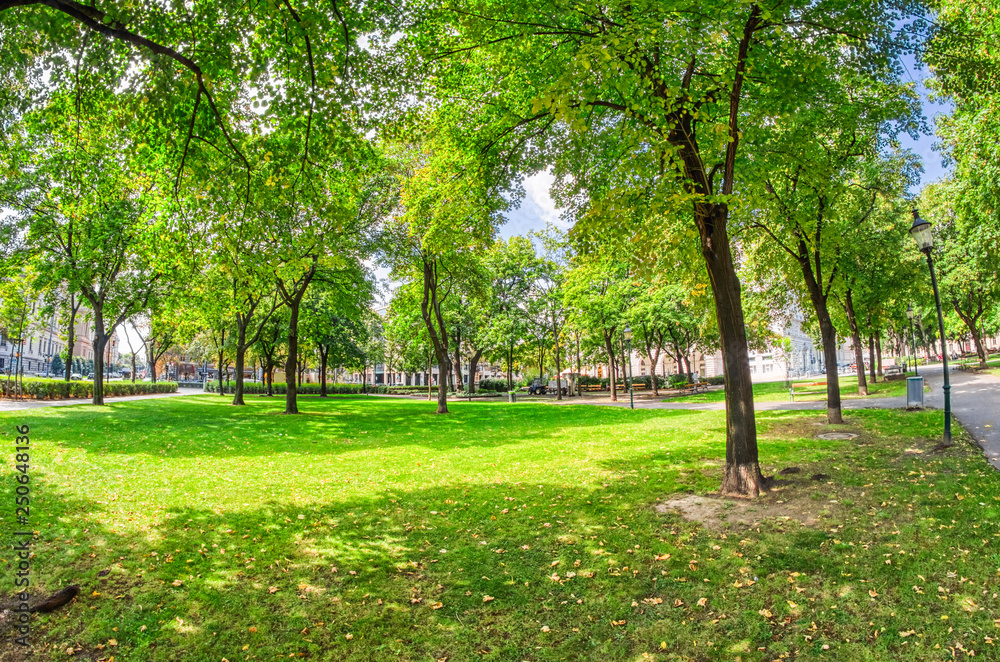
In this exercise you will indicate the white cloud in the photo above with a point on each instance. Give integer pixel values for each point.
(536, 209)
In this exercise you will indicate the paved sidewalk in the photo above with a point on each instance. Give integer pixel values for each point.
(19, 405)
(975, 405)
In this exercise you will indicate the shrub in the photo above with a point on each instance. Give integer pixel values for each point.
(498, 385)
(718, 380)
(55, 389)
(258, 388)
(678, 380)
(586, 380)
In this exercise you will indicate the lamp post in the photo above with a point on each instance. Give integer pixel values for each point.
(913, 339)
(628, 349)
(921, 233)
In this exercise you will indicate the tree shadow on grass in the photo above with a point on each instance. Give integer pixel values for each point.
(458, 572)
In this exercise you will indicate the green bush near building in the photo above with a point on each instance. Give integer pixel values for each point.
(55, 389)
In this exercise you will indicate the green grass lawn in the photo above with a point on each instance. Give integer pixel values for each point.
(778, 392)
(372, 529)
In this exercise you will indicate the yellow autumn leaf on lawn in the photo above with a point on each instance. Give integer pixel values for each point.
(702, 602)
(437, 605)
(272, 589)
(766, 613)
(177, 582)
(487, 598)
(873, 593)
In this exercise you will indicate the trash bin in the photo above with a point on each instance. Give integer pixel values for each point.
(914, 392)
(512, 396)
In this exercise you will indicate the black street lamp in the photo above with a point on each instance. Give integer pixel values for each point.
(921, 233)
(913, 339)
(628, 349)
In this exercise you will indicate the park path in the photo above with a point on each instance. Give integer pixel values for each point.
(20, 405)
(975, 405)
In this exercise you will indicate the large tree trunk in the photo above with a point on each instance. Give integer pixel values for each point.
(878, 353)
(323, 352)
(222, 390)
(71, 335)
(100, 340)
(653, 358)
(458, 360)
(151, 359)
(687, 369)
(541, 359)
(444, 374)
(269, 375)
(743, 476)
(834, 412)
(612, 376)
(828, 333)
(555, 334)
(859, 355)
(241, 351)
(871, 358)
(509, 355)
(291, 364)
(430, 310)
(473, 366)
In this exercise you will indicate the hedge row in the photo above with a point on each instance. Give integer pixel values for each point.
(258, 388)
(54, 389)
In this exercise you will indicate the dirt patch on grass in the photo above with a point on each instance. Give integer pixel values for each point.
(783, 502)
(808, 427)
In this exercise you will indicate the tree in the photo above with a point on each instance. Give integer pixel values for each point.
(57, 365)
(448, 219)
(675, 90)
(968, 257)
(510, 268)
(270, 346)
(597, 294)
(95, 216)
(821, 177)
(333, 320)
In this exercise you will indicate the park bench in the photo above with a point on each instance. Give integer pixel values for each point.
(804, 386)
(696, 387)
(894, 372)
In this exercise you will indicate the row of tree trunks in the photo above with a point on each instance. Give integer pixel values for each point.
(859, 357)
